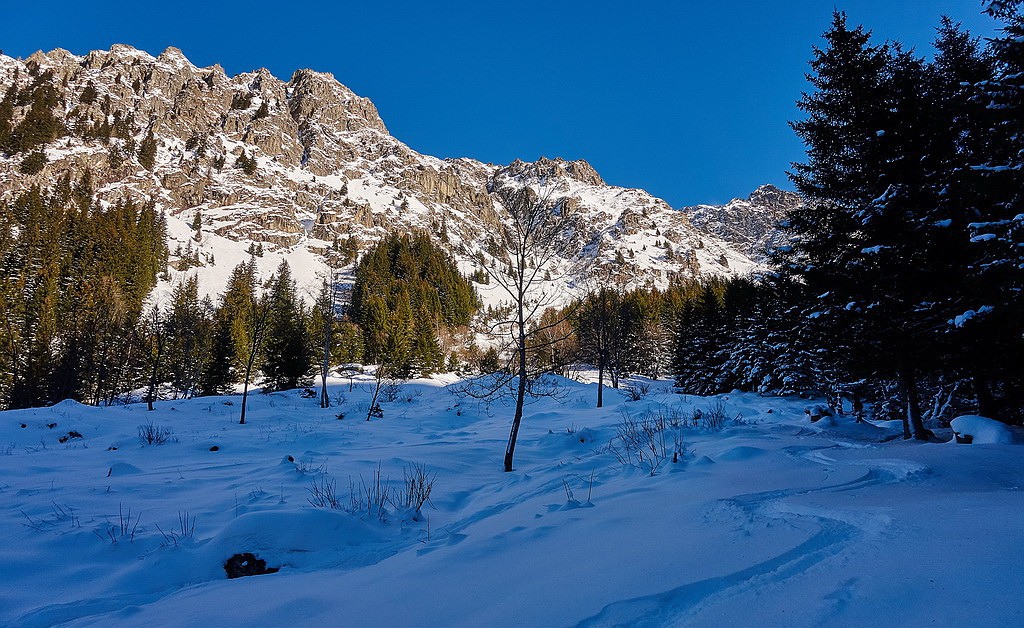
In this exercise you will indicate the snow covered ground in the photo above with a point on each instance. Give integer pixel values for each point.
(769, 521)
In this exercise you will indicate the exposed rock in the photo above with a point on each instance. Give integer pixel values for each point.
(246, 564)
(751, 224)
(327, 170)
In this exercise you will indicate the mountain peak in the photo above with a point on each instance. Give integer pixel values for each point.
(749, 224)
(768, 194)
(307, 170)
(544, 168)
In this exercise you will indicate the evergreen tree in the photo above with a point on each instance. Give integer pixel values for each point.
(7, 117)
(323, 334)
(993, 323)
(405, 290)
(288, 354)
(153, 333)
(231, 335)
(597, 327)
(861, 241)
(147, 151)
(40, 124)
(188, 330)
(247, 163)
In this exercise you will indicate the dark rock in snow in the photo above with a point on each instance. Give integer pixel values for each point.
(246, 564)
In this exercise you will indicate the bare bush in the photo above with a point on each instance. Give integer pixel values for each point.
(418, 484)
(640, 442)
(306, 466)
(635, 391)
(390, 392)
(714, 418)
(648, 440)
(323, 494)
(58, 514)
(150, 434)
(186, 529)
(370, 497)
(125, 528)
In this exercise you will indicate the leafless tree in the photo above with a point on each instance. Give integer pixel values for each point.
(537, 236)
(156, 341)
(258, 321)
(324, 313)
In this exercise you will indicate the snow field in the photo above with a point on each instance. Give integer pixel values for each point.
(770, 520)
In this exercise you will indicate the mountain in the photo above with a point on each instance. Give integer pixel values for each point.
(306, 170)
(749, 224)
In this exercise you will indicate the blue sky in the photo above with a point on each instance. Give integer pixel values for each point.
(688, 100)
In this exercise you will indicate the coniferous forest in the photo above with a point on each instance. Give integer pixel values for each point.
(898, 289)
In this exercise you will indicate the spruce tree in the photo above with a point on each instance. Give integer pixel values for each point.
(188, 329)
(287, 354)
(861, 240)
(147, 151)
(597, 328)
(993, 321)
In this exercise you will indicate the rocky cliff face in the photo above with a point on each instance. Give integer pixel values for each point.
(325, 177)
(750, 225)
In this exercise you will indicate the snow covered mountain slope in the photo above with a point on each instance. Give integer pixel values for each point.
(325, 179)
(748, 224)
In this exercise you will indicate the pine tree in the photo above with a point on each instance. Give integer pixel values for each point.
(153, 334)
(597, 327)
(231, 337)
(405, 290)
(323, 334)
(287, 352)
(993, 322)
(860, 240)
(40, 124)
(188, 330)
(247, 163)
(7, 117)
(147, 151)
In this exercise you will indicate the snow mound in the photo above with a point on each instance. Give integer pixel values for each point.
(303, 539)
(122, 468)
(742, 453)
(984, 431)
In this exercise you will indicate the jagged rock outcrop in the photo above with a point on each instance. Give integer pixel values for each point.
(305, 168)
(751, 224)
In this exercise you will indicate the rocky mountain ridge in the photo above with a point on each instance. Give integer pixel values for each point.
(306, 170)
(750, 224)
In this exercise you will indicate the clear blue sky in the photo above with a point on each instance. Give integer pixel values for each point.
(688, 100)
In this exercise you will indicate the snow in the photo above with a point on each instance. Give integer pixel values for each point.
(770, 520)
(962, 319)
(984, 431)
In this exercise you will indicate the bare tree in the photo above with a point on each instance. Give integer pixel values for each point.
(324, 313)
(156, 341)
(536, 237)
(258, 322)
(382, 378)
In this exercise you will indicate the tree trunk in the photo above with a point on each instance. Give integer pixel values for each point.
(600, 380)
(520, 397)
(986, 404)
(325, 401)
(259, 328)
(245, 386)
(913, 414)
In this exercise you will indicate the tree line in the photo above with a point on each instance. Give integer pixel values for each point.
(73, 279)
(901, 280)
(78, 323)
(899, 286)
